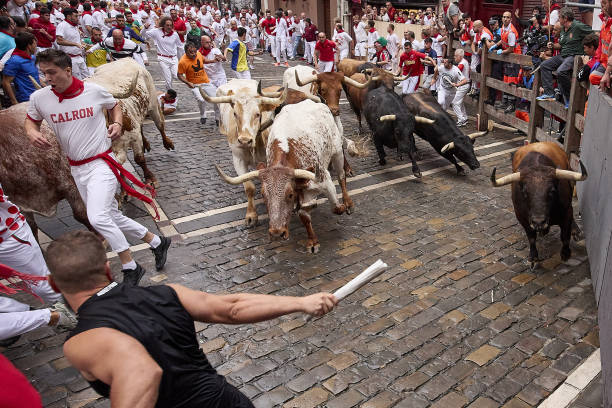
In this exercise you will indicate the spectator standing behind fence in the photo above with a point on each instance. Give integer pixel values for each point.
(570, 44)
(604, 51)
(508, 44)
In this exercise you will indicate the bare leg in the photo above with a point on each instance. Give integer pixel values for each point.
(313, 243)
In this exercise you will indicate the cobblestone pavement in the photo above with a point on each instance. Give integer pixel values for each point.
(457, 320)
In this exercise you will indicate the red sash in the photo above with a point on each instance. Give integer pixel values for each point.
(119, 171)
(8, 272)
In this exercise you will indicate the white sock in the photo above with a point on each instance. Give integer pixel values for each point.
(130, 265)
(155, 241)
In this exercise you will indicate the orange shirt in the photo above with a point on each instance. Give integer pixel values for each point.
(193, 69)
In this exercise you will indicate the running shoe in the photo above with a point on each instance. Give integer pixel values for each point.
(546, 97)
(133, 276)
(161, 252)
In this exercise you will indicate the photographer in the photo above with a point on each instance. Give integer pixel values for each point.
(535, 38)
(451, 17)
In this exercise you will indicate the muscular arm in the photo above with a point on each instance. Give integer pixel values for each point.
(115, 129)
(60, 41)
(249, 308)
(119, 361)
(8, 89)
(183, 79)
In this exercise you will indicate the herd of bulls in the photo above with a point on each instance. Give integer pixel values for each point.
(290, 137)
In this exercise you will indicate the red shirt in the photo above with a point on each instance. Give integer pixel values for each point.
(268, 25)
(391, 13)
(41, 39)
(310, 33)
(412, 69)
(179, 25)
(326, 50)
(16, 390)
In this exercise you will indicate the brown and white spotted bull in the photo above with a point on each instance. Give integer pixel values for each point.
(542, 189)
(136, 107)
(303, 143)
(242, 113)
(35, 179)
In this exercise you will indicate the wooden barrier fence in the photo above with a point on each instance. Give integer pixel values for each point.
(573, 115)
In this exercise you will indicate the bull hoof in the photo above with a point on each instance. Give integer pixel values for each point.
(566, 253)
(349, 172)
(339, 209)
(146, 145)
(417, 173)
(533, 265)
(577, 234)
(169, 144)
(460, 172)
(350, 208)
(251, 220)
(382, 162)
(313, 248)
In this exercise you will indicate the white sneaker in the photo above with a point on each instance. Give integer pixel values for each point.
(67, 320)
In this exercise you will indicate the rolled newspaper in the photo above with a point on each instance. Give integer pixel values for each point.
(358, 281)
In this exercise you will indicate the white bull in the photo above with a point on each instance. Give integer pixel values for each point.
(244, 115)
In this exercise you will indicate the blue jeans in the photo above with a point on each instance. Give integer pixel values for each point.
(296, 43)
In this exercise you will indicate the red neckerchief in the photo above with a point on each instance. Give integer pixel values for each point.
(119, 47)
(234, 29)
(134, 11)
(167, 35)
(204, 52)
(74, 90)
(22, 54)
(339, 31)
(380, 53)
(87, 12)
(96, 9)
(555, 6)
(372, 30)
(71, 23)
(168, 100)
(356, 24)
(7, 33)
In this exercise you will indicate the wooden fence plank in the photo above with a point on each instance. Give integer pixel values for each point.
(579, 122)
(511, 89)
(513, 58)
(509, 119)
(555, 108)
(578, 96)
(475, 76)
(536, 113)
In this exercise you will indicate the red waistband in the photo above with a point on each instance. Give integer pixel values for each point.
(120, 172)
(167, 56)
(75, 55)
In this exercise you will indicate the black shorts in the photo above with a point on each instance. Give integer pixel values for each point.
(585, 9)
(233, 398)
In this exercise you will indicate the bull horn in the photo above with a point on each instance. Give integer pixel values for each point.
(305, 174)
(268, 94)
(424, 120)
(215, 99)
(312, 97)
(386, 117)
(275, 101)
(400, 78)
(266, 125)
(352, 82)
(476, 134)
(312, 78)
(130, 91)
(572, 175)
(498, 182)
(34, 82)
(237, 180)
(447, 147)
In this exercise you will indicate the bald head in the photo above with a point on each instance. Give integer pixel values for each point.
(117, 35)
(206, 42)
(478, 25)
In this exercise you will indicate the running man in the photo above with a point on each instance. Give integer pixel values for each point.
(76, 112)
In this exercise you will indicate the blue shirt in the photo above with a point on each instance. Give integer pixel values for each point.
(127, 33)
(6, 43)
(19, 68)
(239, 51)
(433, 54)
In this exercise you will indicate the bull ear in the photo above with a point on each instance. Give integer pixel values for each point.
(261, 166)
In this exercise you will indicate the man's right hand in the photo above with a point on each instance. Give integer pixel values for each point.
(319, 303)
(38, 140)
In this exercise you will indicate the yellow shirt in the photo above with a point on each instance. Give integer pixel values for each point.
(193, 69)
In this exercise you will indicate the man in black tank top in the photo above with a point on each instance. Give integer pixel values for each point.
(138, 345)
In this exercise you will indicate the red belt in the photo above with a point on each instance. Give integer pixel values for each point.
(167, 56)
(75, 55)
(120, 172)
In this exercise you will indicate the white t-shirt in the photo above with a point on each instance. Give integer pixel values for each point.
(361, 33)
(464, 67)
(69, 33)
(343, 40)
(392, 44)
(232, 35)
(56, 17)
(372, 37)
(437, 45)
(166, 103)
(86, 20)
(15, 10)
(281, 28)
(165, 44)
(214, 71)
(453, 74)
(206, 19)
(79, 123)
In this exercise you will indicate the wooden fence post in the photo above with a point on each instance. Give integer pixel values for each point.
(577, 101)
(485, 72)
(536, 113)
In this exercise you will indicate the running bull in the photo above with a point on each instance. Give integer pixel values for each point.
(443, 134)
(303, 143)
(542, 189)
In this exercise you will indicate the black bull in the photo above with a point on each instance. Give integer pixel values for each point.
(443, 131)
(391, 124)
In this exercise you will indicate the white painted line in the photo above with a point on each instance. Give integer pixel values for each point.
(575, 383)
(350, 179)
(220, 227)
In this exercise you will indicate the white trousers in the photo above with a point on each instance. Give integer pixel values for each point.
(454, 97)
(243, 74)
(360, 49)
(343, 54)
(271, 41)
(410, 84)
(217, 80)
(473, 64)
(26, 257)
(281, 49)
(210, 90)
(97, 185)
(169, 67)
(309, 50)
(326, 66)
(180, 50)
(79, 67)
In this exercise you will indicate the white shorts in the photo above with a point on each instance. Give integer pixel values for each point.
(410, 84)
(428, 82)
(360, 49)
(326, 66)
(343, 54)
(243, 74)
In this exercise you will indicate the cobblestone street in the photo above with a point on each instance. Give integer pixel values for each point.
(457, 320)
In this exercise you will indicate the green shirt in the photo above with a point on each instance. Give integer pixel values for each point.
(571, 39)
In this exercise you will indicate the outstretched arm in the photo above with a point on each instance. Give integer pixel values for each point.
(249, 308)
